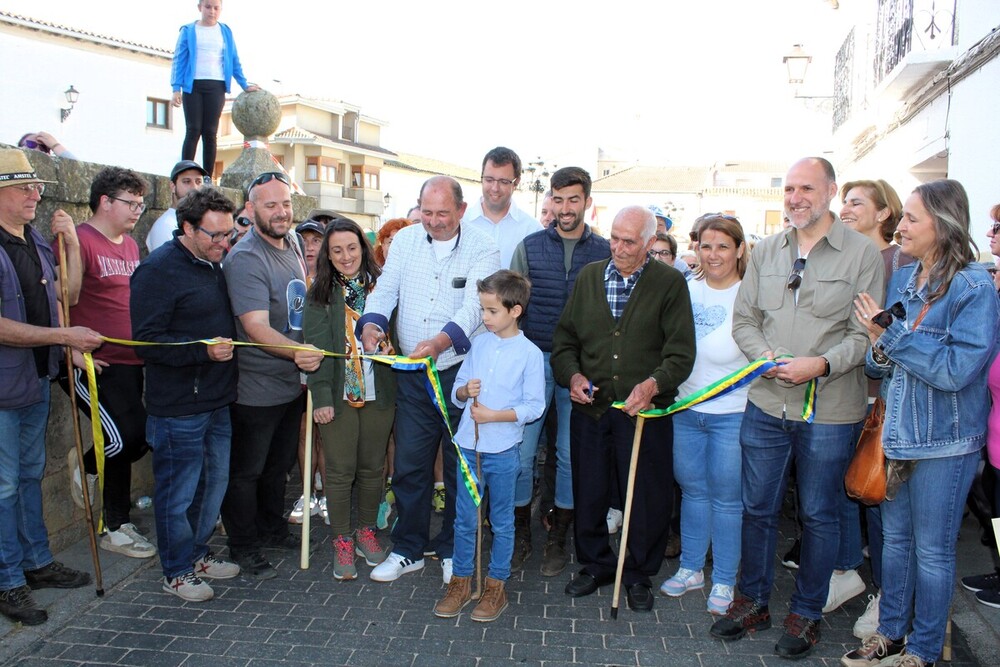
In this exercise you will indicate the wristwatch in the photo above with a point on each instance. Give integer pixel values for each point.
(826, 371)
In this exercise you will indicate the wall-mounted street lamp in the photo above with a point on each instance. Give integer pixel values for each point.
(72, 95)
(797, 62)
(387, 199)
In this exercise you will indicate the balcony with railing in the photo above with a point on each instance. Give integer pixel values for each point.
(914, 40)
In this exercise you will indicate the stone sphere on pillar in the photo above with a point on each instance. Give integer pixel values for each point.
(256, 115)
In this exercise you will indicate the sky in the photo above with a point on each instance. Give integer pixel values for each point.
(655, 82)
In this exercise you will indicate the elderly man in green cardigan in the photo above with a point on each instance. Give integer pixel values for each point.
(626, 334)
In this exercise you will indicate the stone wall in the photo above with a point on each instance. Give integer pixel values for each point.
(70, 192)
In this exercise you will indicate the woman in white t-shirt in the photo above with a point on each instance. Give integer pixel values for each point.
(707, 458)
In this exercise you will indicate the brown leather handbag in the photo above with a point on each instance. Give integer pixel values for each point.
(865, 477)
(865, 480)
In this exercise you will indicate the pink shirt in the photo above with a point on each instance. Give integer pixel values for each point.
(993, 428)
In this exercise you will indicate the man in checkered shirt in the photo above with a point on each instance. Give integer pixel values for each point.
(430, 281)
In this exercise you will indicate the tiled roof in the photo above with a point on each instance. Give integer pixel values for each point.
(428, 165)
(751, 166)
(298, 134)
(56, 29)
(655, 179)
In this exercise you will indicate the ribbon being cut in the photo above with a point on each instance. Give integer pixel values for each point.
(731, 382)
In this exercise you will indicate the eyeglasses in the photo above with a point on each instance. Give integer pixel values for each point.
(134, 206)
(490, 181)
(884, 319)
(31, 187)
(795, 279)
(995, 229)
(267, 177)
(219, 237)
(660, 253)
(35, 145)
(243, 221)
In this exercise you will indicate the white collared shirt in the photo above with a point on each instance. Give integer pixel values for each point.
(507, 233)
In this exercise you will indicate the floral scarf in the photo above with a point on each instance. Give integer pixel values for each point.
(355, 291)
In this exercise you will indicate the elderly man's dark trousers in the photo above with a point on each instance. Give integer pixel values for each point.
(599, 449)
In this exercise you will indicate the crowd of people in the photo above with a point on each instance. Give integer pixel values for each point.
(521, 318)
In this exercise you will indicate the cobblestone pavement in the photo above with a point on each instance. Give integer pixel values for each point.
(305, 617)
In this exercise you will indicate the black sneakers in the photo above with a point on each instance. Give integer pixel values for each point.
(253, 564)
(17, 605)
(801, 634)
(744, 616)
(56, 575)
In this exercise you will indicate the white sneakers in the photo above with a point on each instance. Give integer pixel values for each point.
(188, 587)
(615, 519)
(211, 567)
(867, 623)
(299, 508)
(446, 570)
(128, 542)
(395, 565)
(843, 587)
(685, 580)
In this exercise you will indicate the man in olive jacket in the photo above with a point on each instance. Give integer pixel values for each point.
(626, 334)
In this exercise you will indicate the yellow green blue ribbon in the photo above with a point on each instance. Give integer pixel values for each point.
(401, 363)
(729, 384)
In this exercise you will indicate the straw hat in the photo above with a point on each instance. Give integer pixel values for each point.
(15, 169)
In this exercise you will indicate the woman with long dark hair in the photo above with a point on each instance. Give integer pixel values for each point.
(353, 398)
(932, 346)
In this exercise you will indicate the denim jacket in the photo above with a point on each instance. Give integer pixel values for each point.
(936, 400)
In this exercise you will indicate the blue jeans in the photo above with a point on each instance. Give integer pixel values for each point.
(708, 465)
(920, 528)
(529, 446)
(821, 453)
(499, 472)
(849, 556)
(191, 471)
(24, 542)
(419, 431)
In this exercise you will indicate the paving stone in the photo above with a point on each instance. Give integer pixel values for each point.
(481, 648)
(135, 640)
(143, 658)
(214, 661)
(380, 658)
(593, 656)
(179, 629)
(212, 647)
(527, 652)
(258, 650)
(86, 636)
(319, 655)
(241, 634)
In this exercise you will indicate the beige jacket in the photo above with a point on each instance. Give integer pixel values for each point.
(822, 323)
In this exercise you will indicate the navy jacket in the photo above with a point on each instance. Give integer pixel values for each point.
(550, 284)
(176, 297)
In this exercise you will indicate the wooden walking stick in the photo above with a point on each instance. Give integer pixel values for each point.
(479, 516)
(77, 437)
(630, 487)
(307, 483)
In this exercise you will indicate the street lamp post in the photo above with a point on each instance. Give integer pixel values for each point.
(535, 184)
